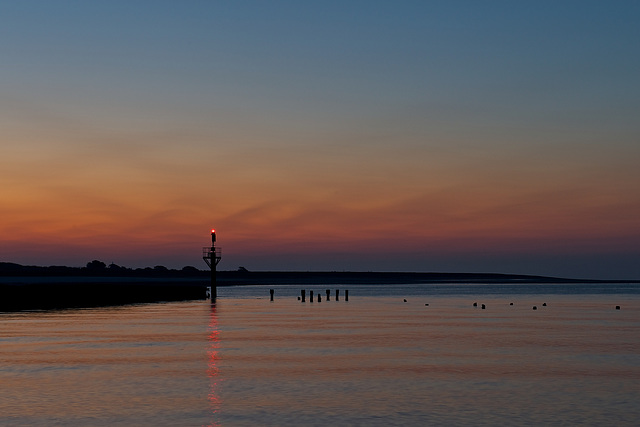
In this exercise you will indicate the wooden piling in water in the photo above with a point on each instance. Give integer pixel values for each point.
(328, 294)
(346, 294)
(337, 294)
(302, 294)
(310, 296)
(319, 298)
(271, 291)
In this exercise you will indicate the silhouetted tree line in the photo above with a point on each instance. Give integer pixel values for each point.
(97, 268)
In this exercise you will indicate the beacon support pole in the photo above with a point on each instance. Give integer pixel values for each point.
(212, 255)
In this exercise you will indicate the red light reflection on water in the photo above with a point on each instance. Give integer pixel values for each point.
(212, 365)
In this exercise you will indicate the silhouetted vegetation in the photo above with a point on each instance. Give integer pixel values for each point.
(96, 265)
(242, 276)
(104, 285)
(98, 268)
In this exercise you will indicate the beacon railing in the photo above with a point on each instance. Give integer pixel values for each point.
(209, 253)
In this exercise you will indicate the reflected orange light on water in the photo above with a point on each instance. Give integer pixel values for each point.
(212, 365)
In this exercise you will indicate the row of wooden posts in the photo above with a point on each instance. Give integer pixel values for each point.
(303, 295)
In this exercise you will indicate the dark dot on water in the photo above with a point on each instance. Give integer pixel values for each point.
(544, 304)
(475, 304)
(535, 308)
(405, 300)
(426, 304)
(510, 303)
(617, 307)
(483, 306)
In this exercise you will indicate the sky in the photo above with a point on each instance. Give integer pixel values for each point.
(434, 136)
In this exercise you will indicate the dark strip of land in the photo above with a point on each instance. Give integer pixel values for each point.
(380, 278)
(98, 271)
(48, 296)
(31, 291)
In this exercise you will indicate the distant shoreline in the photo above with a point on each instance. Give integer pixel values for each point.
(44, 292)
(99, 272)
(117, 278)
(236, 278)
(388, 278)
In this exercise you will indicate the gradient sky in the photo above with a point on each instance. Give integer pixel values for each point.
(462, 136)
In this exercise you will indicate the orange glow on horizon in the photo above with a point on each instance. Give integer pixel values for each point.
(154, 208)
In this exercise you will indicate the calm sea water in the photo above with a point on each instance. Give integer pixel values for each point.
(374, 360)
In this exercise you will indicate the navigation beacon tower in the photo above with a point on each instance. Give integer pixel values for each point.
(212, 255)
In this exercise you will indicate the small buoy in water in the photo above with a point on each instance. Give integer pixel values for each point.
(510, 303)
(298, 298)
(617, 307)
(475, 304)
(483, 307)
(426, 304)
(535, 308)
(405, 300)
(544, 304)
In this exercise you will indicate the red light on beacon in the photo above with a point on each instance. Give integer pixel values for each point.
(213, 231)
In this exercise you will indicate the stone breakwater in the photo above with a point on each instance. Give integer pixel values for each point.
(47, 296)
